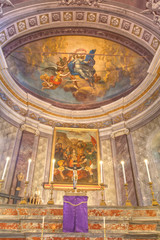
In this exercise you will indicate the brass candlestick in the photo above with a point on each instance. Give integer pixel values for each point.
(24, 200)
(102, 203)
(128, 203)
(1, 184)
(154, 201)
(51, 201)
(42, 233)
(105, 234)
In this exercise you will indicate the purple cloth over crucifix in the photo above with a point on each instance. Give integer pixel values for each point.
(75, 214)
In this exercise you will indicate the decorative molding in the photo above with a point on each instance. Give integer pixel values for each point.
(29, 128)
(120, 132)
(78, 31)
(94, 3)
(51, 19)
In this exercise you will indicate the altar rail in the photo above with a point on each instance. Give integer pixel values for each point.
(25, 222)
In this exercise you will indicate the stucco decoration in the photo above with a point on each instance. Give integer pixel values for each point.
(3, 3)
(94, 3)
(153, 7)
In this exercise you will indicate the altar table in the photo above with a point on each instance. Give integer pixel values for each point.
(75, 214)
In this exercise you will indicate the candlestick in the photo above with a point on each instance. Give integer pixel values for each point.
(1, 184)
(128, 203)
(101, 164)
(154, 201)
(102, 203)
(29, 163)
(123, 170)
(51, 201)
(148, 173)
(24, 200)
(5, 168)
(52, 178)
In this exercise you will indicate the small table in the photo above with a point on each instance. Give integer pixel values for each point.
(75, 214)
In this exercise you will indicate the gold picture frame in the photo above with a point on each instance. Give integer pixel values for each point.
(78, 145)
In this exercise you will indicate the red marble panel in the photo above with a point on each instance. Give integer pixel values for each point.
(56, 212)
(9, 226)
(115, 226)
(23, 211)
(142, 227)
(144, 213)
(40, 212)
(8, 211)
(111, 212)
(95, 226)
(47, 226)
(112, 226)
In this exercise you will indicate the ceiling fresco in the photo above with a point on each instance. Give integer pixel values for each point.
(76, 70)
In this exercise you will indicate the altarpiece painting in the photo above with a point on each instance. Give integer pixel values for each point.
(75, 146)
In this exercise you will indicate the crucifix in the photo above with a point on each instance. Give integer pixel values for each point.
(75, 170)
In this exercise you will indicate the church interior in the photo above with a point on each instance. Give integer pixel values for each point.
(79, 119)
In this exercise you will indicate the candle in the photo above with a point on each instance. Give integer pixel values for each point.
(149, 177)
(29, 163)
(5, 168)
(104, 222)
(124, 175)
(101, 163)
(42, 227)
(53, 161)
(43, 222)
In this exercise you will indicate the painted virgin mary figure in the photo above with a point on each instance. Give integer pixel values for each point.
(83, 66)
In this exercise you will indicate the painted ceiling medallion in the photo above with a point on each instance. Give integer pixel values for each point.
(77, 70)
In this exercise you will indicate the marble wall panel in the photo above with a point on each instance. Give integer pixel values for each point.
(38, 177)
(8, 134)
(25, 152)
(108, 171)
(122, 153)
(146, 143)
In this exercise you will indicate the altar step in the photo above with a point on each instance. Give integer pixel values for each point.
(24, 222)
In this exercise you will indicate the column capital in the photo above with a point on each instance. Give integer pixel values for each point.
(120, 132)
(31, 129)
